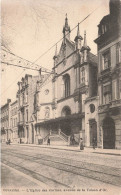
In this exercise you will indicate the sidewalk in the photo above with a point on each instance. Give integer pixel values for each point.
(77, 149)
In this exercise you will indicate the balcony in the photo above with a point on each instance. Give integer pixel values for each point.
(110, 106)
(116, 103)
(21, 123)
(104, 108)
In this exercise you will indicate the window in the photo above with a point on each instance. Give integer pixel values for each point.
(46, 91)
(92, 108)
(27, 115)
(47, 112)
(106, 60)
(118, 53)
(67, 85)
(107, 93)
(107, 98)
(103, 29)
(120, 88)
(83, 75)
(114, 90)
(26, 96)
(23, 98)
(11, 122)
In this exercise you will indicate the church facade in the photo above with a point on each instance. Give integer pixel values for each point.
(68, 91)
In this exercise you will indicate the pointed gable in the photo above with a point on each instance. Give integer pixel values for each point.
(65, 50)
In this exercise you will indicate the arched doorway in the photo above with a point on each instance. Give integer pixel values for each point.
(108, 133)
(93, 131)
(66, 123)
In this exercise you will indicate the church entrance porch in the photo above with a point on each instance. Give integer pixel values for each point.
(65, 127)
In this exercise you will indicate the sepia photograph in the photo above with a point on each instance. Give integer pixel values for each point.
(60, 97)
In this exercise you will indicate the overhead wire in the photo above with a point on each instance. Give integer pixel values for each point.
(66, 35)
(19, 66)
(51, 46)
(25, 59)
(12, 83)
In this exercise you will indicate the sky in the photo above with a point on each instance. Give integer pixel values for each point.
(30, 27)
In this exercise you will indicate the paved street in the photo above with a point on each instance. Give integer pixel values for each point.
(26, 166)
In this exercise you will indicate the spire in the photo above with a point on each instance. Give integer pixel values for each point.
(85, 47)
(78, 38)
(66, 21)
(85, 40)
(78, 34)
(66, 28)
(56, 50)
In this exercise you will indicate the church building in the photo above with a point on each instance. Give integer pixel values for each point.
(73, 85)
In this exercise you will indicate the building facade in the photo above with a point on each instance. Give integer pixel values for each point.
(25, 95)
(6, 132)
(74, 80)
(109, 77)
(14, 121)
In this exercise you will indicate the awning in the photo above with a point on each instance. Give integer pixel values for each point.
(69, 117)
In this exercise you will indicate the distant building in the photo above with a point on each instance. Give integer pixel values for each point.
(109, 77)
(25, 95)
(6, 132)
(43, 111)
(14, 121)
(62, 99)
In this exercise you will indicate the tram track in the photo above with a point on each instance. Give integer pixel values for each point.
(44, 179)
(101, 173)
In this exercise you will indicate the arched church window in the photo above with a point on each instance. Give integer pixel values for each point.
(67, 85)
(82, 74)
(66, 111)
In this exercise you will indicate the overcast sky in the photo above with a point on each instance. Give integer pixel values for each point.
(31, 27)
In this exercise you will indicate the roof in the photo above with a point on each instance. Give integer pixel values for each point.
(14, 102)
(105, 19)
(93, 58)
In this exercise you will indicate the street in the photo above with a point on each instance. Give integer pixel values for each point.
(24, 167)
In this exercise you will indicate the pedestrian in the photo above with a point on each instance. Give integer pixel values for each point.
(94, 143)
(81, 144)
(48, 141)
(9, 141)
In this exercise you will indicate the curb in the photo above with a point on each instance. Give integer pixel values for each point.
(67, 149)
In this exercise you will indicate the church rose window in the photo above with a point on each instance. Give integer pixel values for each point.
(92, 108)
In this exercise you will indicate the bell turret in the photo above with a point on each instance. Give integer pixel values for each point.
(85, 49)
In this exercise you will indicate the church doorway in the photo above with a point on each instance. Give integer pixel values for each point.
(108, 133)
(66, 123)
(93, 131)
